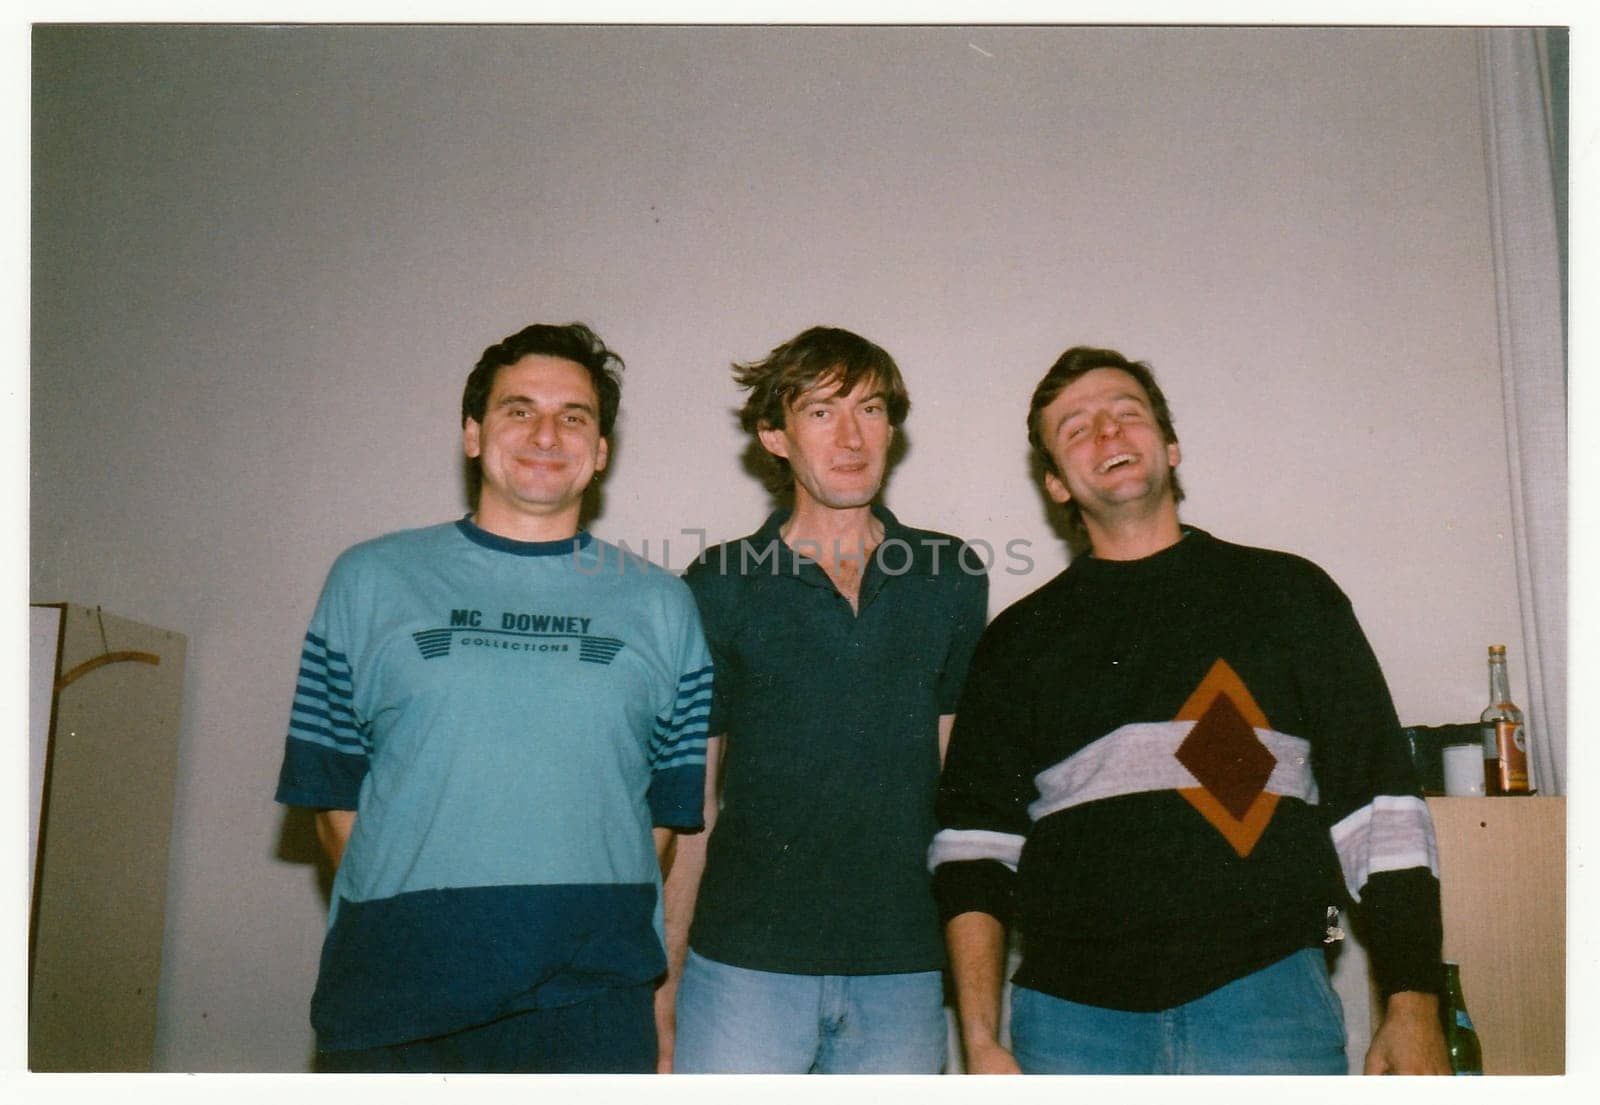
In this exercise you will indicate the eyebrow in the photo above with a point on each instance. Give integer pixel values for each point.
(570, 405)
(811, 398)
(1069, 415)
(1117, 397)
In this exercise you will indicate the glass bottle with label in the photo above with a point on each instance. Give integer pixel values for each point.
(1505, 740)
(1461, 1039)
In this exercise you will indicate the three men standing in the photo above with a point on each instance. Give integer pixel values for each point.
(841, 638)
(1170, 762)
(501, 722)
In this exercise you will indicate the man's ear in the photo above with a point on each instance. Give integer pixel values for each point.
(773, 441)
(471, 433)
(1174, 454)
(602, 454)
(1056, 488)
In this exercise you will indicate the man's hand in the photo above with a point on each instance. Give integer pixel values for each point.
(1410, 1040)
(988, 1057)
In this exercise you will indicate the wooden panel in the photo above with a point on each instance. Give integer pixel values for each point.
(103, 867)
(44, 643)
(1502, 866)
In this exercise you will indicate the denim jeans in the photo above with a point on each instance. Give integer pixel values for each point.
(732, 1020)
(1283, 1019)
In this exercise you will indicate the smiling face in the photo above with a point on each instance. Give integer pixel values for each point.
(538, 445)
(837, 445)
(1107, 448)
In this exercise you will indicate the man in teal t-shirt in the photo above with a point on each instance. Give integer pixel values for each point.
(501, 722)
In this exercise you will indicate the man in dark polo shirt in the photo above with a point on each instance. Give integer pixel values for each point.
(840, 639)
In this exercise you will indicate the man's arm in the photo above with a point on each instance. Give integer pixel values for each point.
(333, 832)
(981, 809)
(1410, 1040)
(1379, 824)
(681, 877)
(947, 722)
(977, 943)
(666, 849)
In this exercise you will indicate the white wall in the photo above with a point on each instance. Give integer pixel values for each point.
(264, 260)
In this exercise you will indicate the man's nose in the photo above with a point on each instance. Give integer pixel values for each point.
(849, 431)
(543, 431)
(1106, 426)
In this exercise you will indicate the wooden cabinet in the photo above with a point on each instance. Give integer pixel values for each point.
(1502, 869)
(111, 703)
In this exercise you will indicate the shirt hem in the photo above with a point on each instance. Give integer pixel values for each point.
(907, 965)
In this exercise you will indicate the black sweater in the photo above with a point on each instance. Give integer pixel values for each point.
(1165, 771)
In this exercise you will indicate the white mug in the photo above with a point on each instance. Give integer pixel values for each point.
(1463, 770)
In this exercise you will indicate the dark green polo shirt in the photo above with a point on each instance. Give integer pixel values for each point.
(818, 862)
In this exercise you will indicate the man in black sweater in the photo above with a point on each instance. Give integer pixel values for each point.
(1171, 764)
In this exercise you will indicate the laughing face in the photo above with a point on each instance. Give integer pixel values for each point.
(1108, 450)
(836, 445)
(539, 445)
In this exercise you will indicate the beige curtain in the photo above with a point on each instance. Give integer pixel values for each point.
(1527, 257)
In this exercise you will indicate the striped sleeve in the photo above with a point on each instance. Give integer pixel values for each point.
(1390, 833)
(1378, 820)
(985, 788)
(326, 752)
(678, 741)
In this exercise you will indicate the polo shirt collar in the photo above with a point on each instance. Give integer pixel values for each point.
(920, 558)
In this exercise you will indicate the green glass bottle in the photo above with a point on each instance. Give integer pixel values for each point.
(1466, 1055)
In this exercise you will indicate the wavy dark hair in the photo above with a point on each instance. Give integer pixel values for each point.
(573, 342)
(814, 356)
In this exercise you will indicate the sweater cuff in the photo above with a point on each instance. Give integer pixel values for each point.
(1403, 931)
(968, 886)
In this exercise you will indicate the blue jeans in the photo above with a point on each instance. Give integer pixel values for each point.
(1283, 1019)
(732, 1020)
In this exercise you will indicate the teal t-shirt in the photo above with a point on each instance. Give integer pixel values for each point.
(508, 720)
